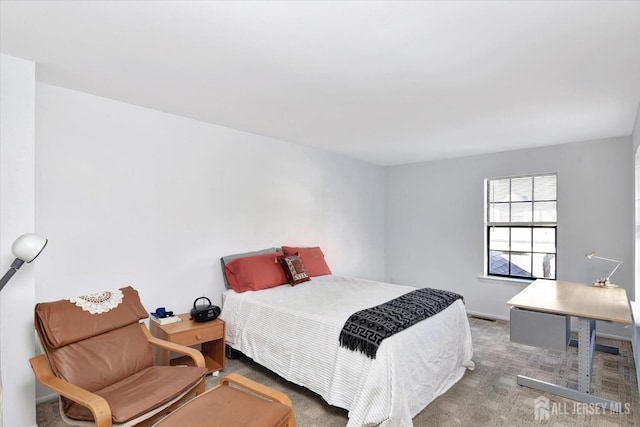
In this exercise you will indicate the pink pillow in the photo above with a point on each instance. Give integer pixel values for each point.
(312, 258)
(255, 272)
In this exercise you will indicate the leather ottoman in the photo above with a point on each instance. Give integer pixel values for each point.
(227, 406)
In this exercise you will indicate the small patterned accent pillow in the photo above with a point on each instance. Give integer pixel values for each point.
(294, 269)
(313, 259)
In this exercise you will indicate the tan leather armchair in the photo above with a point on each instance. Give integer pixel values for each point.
(102, 364)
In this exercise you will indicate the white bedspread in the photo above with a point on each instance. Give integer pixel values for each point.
(294, 332)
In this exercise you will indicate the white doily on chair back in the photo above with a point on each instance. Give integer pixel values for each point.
(99, 302)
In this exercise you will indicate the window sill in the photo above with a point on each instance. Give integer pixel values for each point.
(506, 280)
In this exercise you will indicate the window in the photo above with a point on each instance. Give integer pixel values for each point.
(521, 226)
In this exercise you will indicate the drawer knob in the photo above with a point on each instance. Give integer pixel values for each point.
(198, 337)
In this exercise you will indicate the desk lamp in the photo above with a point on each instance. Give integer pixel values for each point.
(604, 281)
(26, 248)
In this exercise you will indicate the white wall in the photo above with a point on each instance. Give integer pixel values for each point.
(435, 219)
(636, 132)
(635, 136)
(128, 195)
(17, 190)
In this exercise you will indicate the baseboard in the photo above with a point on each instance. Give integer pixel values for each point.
(46, 398)
(486, 315)
(613, 337)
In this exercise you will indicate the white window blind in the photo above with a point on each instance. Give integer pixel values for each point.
(521, 221)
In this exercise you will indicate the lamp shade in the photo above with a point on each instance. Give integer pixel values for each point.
(28, 246)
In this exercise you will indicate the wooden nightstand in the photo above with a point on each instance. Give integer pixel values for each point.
(209, 334)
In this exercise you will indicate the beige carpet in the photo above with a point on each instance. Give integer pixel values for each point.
(487, 396)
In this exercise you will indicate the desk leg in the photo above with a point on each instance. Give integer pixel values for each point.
(599, 347)
(570, 393)
(586, 347)
(586, 342)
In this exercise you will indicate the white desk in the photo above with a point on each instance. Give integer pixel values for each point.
(588, 303)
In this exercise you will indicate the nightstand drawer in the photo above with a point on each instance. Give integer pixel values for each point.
(189, 333)
(198, 334)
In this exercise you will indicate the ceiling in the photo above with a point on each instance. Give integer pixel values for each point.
(385, 82)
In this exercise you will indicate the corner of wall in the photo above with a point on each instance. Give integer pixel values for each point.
(17, 213)
(635, 337)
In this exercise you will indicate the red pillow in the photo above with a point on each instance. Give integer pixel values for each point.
(255, 272)
(312, 258)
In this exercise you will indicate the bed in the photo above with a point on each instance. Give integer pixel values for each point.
(293, 331)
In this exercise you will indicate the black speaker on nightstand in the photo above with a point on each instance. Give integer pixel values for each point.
(204, 312)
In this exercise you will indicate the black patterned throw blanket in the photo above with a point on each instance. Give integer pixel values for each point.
(365, 330)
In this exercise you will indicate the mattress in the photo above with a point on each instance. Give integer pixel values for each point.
(294, 330)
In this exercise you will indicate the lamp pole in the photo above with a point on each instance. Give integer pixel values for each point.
(26, 248)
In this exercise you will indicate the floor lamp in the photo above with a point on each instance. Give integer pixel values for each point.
(26, 248)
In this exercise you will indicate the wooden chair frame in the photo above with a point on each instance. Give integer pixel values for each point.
(261, 390)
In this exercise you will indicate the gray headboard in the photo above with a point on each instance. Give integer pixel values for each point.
(225, 259)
